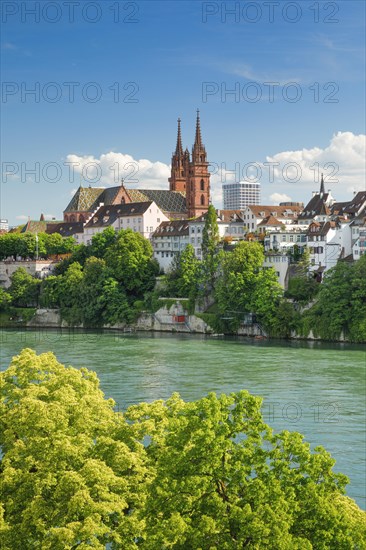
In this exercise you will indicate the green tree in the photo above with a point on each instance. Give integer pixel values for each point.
(25, 245)
(5, 300)
(114, 303)
(95, 274)
(69, 292)
(302, 288)
(70, 472)
(24, 288)
(102, 241)
(206, 474)
(184, 277)
(130, 259)
(238, 275)
(210, 233)
(210, 241)
(56, 244)
(266, 297)
(50, 292)
(341, 303)
(80, 254)
(285, 320)
(224, 480)
(9, 245)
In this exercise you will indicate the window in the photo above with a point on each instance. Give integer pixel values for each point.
(202, 185)
(202, 200)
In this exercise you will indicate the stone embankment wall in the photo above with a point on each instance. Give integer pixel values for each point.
(163, 321)
(46, 318)
(166, 319)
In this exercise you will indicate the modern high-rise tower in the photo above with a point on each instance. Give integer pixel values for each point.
(241, 194)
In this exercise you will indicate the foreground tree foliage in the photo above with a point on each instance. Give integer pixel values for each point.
(203, 475)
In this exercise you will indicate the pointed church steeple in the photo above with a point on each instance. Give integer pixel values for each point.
(198, 194)
(322, 190)
(179, 147)
(198, 137)
(198, 149)
(177, 178)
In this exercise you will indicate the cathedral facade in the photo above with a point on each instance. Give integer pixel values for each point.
(188, 195)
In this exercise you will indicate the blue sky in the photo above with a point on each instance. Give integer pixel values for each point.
(166, 59)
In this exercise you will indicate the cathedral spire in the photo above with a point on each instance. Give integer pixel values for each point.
(198, 138)
(179, 147)
(322, 190)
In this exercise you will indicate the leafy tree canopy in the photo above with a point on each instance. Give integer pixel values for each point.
(184, 277)
(24, 288)
(205, 474)
(130, 259)
(341, 303)
(25, 245)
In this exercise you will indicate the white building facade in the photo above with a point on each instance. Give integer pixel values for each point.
(240, 194)
(254, 215)
(140, 217)
(169, 239)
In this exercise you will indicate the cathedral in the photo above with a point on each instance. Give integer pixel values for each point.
(188, 196)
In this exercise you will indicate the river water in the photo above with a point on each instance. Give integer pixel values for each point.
(316, 389)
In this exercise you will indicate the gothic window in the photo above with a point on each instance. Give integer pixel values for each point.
(202, 200)
(202, 185)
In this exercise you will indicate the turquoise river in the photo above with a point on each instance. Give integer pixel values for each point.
(316, 389)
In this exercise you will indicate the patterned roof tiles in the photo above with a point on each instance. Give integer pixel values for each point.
(167, 201)
(86, 199)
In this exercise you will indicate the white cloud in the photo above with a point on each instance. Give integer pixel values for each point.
(22, 217)
(110, 168)
(278, 197)
(342, 162)
(247, 72)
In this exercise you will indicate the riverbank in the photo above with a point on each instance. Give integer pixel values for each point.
(170, 318)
